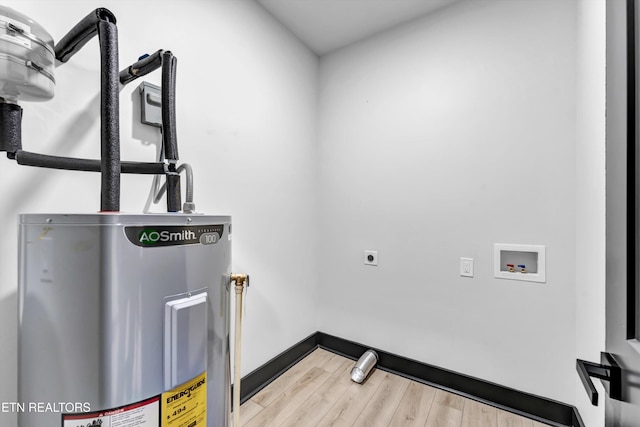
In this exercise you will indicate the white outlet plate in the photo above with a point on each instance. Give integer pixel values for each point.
(370, 257)
(466, 267)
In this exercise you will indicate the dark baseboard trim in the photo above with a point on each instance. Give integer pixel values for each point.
(529, 405)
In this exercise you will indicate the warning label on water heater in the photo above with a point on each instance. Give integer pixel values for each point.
(145, 413)
(186, 405)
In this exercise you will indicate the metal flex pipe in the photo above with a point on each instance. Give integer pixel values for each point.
(240, 280)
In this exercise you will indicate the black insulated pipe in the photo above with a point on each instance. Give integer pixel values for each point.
(79, 35)
(169, 134)
(102, 22)
(110, 117)
(26, 158)
(168, 95)
(144, 66)
(10, 129)
(169, 62)
(174, 198)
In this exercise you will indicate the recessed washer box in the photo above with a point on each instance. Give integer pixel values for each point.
(519, 262)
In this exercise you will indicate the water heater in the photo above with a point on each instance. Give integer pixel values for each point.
(124, 320)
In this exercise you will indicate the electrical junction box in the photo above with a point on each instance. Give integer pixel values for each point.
(150, 104)
(120, 314)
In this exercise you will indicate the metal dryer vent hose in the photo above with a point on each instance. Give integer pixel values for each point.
(363, 366)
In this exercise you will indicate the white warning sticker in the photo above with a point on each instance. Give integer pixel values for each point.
(145, 413)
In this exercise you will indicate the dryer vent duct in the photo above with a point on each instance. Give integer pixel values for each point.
(363, 366)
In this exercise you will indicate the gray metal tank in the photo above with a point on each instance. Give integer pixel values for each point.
(124, 320)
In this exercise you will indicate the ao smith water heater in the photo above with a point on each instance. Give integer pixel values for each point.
(123, 318)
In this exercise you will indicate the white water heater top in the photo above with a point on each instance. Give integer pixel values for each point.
(27, 58)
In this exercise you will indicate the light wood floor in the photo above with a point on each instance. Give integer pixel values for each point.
(318, 391)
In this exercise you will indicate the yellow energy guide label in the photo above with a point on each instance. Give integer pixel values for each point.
(186, 405)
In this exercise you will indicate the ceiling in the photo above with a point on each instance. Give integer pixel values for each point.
(327, 25)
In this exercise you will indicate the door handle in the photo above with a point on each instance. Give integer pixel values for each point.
(608, 370)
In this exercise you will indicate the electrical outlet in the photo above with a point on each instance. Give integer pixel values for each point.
(370, 257)
(466, 267)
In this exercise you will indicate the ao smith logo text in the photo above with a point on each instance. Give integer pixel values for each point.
(155, 236)
(151, 237)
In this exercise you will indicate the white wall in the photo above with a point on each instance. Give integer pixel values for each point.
(590, 198)
(246, 101)
(437, 140)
